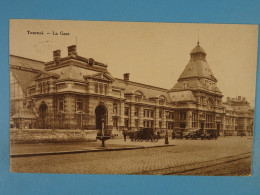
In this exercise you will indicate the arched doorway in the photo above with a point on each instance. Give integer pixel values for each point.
(101, 112)
(43, 115)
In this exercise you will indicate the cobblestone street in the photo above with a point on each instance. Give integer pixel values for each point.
(227, 156)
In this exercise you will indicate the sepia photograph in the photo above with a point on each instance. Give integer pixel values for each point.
(132, 98)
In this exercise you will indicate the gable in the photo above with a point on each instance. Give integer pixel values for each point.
(45, 75)
(101, 77)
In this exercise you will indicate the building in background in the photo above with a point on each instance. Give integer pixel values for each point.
(75, 92)
(22, 73)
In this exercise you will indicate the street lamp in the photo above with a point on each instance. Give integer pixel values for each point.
(166, 141)
(166, 137)
(102, 135)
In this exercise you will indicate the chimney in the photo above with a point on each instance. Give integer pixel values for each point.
(72, 51)
(126, 76)
(239, 97)
(228, 99)
(56, 56)
(91, 61)
(244, 99)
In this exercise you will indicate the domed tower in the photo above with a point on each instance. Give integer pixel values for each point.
(197, 97)
(197, 74)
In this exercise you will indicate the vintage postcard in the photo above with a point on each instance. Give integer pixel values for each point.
(132, 98)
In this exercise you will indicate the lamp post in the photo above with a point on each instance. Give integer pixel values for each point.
(102, 131)
(166, 141)
(166, 137)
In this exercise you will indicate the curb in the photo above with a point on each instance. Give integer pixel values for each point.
(83, 151)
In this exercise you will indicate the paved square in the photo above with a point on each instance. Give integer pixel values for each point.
(185, 157)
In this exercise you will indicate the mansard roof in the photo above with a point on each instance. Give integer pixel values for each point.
(181, 96)
(197, 69)
(197, 66)
(147, 90)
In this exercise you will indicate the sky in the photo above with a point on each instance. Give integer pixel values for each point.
(153, 53)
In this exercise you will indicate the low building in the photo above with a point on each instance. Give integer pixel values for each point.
(75, 92)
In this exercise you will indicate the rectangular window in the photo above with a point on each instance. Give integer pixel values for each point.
(78, 105)
(151, 114)
(61, 104)
(115, 108)
(101, 88)
(194, 120)
(40, 87)
(209, 121)
(144, 113)
(126, 111)
(48, 86)
(160, 124)
(105, 89)
(96, 88)
(126, 123)
(172, 115)
(160, 114)
(136, 112)
(182, 115)
(136, 123)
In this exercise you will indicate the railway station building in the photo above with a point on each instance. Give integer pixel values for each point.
(75, 92)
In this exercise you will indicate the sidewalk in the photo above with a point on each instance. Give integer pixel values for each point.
(23, 150)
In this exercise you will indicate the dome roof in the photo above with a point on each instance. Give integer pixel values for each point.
(198, 49)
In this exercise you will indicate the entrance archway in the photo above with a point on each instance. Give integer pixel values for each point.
(101, 112)
(43, 115)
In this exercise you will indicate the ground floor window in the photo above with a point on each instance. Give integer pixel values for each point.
(136, 123)
(170, 125)
(209, 121)
(194, 120)
(148, 124)
(126, 123)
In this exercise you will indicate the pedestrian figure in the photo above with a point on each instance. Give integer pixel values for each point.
(124, 133)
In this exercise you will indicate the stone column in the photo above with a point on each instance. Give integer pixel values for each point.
(189, 119)
(109, 115)
(141, 117)
(224, 125)
(245, 125)
(163, 119)
(132, 116)
(122, 115)
(156, 118)
(90, 111)
(69, 121)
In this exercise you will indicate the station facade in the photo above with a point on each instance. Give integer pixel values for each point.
(75, 92)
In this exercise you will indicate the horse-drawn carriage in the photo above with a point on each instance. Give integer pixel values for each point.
(146, 134)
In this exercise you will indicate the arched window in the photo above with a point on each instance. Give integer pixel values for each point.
(48, 86)
(96, 87)
(40, 87)
(101, 88)
(105, 89)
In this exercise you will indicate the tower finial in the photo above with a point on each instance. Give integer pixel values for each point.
(198, 34)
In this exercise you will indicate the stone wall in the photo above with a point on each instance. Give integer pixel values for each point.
(51, 136)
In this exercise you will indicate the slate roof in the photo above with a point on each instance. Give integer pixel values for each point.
(197, 68)
(25, 78)
(180, 96)
(26, 62)
(148, 90)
